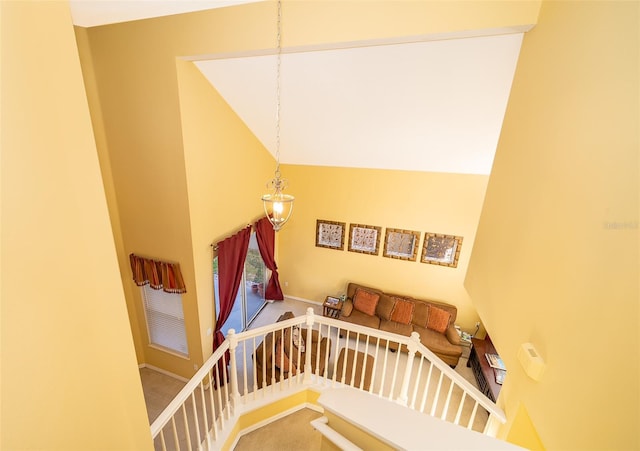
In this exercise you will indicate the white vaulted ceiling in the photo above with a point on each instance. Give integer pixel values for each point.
(92, 13)
(436, 104)
(432, 106)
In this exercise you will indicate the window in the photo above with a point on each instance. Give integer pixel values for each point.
(165, 320)
(250, 298)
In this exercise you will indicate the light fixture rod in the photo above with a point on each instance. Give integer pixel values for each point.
(278, 83)
(277, 205)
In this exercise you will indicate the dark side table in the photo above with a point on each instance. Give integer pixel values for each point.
(332, 307)
(484, 374)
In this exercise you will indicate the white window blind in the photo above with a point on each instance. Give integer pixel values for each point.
(165, 319)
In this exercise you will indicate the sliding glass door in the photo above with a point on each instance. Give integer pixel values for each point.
(250, 298)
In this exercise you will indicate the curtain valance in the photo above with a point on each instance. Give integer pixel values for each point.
(158, 274)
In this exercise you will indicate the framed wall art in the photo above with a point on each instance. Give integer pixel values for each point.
(364, 238)
(330, 234)
(401, 244)
(443, 250)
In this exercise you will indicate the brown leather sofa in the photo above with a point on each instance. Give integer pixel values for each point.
(433, 321)
(278, 354)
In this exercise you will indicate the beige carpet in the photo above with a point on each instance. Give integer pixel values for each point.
(291, 433)
(159, 389)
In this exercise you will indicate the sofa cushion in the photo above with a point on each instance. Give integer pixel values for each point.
(420, 313)
(362, 319)
(438, 319)
(402, 311)
(396, 328)
(437, 342)
(385, 306)
(366, 301)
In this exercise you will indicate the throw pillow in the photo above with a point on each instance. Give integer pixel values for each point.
(385, 306)
(438, 319)
(402, 311)
(365, 301)
(420, 313)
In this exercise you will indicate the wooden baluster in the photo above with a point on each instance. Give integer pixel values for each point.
(245, 381)
(196, 418)
(365, 361)
(375, 364)
(233, 344)
(395, 373)
(492, 426)
(219, 395)
(412, 347)
(212, 405)
(446, 404)
(460, 406)
(435, 399)
(354, 361)
(163, 444)
(416, 386)
(384, 367)
(473, 415)
(254, 372)
(335, 362)
(292, 349)
(175, 433)
(186, 427)
(307, 355)
(426, 390)
(225, 387)
(281, 362)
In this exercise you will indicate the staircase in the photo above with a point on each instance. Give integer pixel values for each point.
(216, 404)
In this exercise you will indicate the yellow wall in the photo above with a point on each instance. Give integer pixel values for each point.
(424, 202)
(522, 431)
(227, 169)
(112, 201)
(135, 99)
(152, 168)
(69, 376)
(556, 255)
(320, 22)
(250, 419)
(359, 437)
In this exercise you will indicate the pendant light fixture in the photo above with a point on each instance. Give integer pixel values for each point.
(277, 205)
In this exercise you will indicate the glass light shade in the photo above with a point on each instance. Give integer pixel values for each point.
(278, 208)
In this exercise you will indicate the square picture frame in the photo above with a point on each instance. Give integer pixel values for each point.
(401, 244)
(330, 234)
(364, 239)
(439, 249)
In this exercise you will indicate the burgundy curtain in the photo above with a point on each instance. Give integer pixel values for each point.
(232, 253)
(266, 237)
(159, 275)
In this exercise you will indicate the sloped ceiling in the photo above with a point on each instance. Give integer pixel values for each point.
(93, 13)
(433, 105)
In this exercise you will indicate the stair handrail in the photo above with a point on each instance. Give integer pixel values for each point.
(233, 340)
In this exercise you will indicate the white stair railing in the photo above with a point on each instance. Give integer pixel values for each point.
(244, 373)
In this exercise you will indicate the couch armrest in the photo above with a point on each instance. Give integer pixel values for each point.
(347, 307)
(452, 335)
